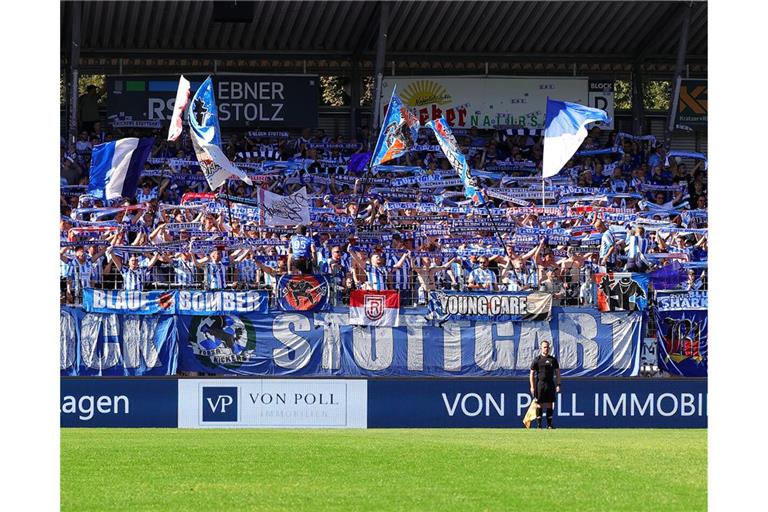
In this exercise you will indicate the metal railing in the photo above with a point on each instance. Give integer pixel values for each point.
(575, 288)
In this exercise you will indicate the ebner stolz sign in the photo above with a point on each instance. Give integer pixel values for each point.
(242, 100)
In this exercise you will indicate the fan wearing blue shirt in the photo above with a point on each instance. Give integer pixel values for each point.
(482, 278)
(301, 251)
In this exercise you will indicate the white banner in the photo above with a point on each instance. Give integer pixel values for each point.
(284, 403)
(285, 210)
(485, 102)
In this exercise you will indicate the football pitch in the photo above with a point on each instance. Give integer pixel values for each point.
(403, 469)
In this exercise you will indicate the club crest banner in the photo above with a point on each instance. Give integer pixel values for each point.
(681, 300)
(622, 291)
(303, 292)
(683, 342)
(491, 307)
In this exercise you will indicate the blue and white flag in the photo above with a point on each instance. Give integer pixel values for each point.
(206, 139)
(399, 130)
(565, 131)
(457, 159)
(116, 167)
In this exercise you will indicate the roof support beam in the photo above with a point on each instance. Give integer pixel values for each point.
(681, 49)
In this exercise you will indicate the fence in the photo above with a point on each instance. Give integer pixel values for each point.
(575, 288)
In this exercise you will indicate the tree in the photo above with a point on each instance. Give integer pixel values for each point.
(656, 95)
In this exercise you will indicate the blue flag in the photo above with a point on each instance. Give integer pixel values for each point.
(398, 131)
(116, 167)
(454, 155)
(357, 162)
(206, 139)
(565, 131)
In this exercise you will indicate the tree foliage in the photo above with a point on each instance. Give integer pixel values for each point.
(656, 95)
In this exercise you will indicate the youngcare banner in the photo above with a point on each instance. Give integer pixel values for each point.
(113, 345)
(622, 291)
(182, 302)
(484, 102)
(683, 342)
(303, 292)
(491, 307)
(586, 343)
(268, 101)
(681, 300)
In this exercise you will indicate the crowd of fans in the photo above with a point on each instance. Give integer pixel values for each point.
(620, 204)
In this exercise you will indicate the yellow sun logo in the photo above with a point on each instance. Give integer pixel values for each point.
(425, 92)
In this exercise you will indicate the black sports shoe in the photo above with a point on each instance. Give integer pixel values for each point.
(550, 427)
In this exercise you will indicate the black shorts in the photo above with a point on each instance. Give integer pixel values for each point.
(303, 265)
(545, 392)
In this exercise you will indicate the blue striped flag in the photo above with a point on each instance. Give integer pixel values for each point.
(116, 167)
(565, 131)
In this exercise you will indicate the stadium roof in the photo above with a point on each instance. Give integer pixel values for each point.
(554, 36)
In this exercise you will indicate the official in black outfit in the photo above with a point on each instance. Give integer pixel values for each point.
(545, 382)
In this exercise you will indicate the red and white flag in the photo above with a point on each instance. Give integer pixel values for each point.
(379, 309)
(182, 98)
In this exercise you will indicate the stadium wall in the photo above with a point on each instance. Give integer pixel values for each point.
(375, 403)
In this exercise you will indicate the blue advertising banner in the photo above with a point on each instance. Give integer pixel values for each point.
(681, 300)
(683, 342)
(119, 403)
(582, 403)
(108, 344)
(303, 292)
(490, 306)
(586, 342)
(183, 302)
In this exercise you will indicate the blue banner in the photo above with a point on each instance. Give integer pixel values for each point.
(303, 292)
(110, 344)
(183, 302)
(190, 302)
(586, 342)
(125, 301)
(582, 403)
(119, 402)
(683, 342)
(681, 300)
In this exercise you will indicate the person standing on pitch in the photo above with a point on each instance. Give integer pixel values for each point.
(546, 372)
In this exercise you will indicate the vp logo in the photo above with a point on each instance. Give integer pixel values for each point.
(219, 404)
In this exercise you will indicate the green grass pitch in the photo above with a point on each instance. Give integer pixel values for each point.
(407, 469)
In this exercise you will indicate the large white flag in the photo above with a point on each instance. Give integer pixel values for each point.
(280, 210)
(565, 131)
(182, 98)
